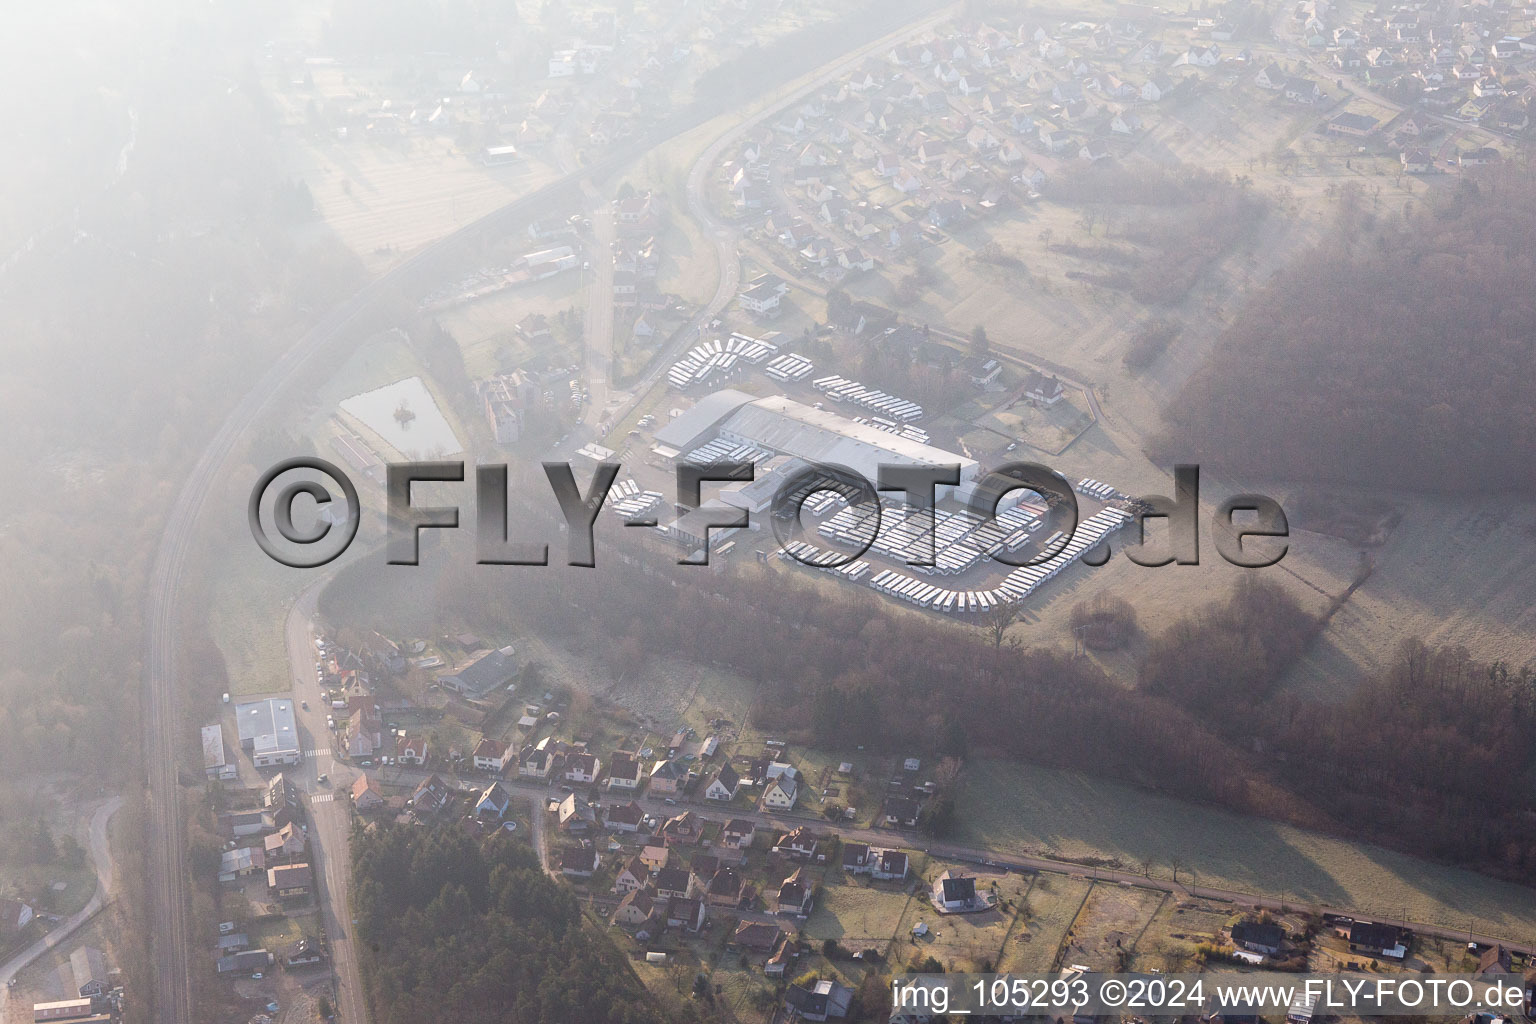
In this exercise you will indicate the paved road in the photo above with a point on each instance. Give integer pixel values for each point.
(330, 816)
(101, 859)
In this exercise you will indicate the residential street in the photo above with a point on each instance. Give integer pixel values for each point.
(329, 812)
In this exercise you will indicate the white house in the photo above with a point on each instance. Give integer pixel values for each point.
(723, 785)
(780, 793)
(582, 768)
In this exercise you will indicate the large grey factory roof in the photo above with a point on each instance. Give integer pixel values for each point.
(267, 725)
(687, 430)
(819, 435)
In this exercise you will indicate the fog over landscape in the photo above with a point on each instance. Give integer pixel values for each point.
(549, 511)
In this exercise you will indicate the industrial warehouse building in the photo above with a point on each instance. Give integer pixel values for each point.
(267, 730)
(732, 424)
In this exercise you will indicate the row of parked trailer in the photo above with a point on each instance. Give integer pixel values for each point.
(959, 539)
(1016, 586)
(718, 358)
(790, 366)
(841, 389)
(627, 501)
(813, 556)
(1096, 489)
(906, 430)
(724, 450)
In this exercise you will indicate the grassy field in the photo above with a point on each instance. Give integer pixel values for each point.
(962, 941)
(1047, 913)
(251, 598)
(1024, 809)
(1453, 572)
(485, 328)
(858, 916)
(1106, 931)
(384, 199)
(1169, 942)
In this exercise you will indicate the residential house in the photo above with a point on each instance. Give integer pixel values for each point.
(683, 912)
(411, 750)
(757, 936)
(654, 856)
(88, 970)
(1258, 937)
(1093, 151)
(431, 796)
(795, 895)
(900, 812)
(304, 953)
(1301, 90)
(1417, 161)
(823, 1000)
(580, 861)
(738, 833)
(956, 894)
(856, 858)
(800, 844)
(535, 762)
(634, 908)
(582, 768)
(290, 881)
(723, 785)
(1382, 940)
(624, 772)
(366, 795)
(1271, 78)
(888, 865)
(1157, 87)
(487, 672)
(625, 817)
(287, 843)
(632, 875)
(671, 882)
(493, 802)
(685, 829)
(575, 815)
(1496, 959)
(1043, 388)
(1055, 139)
(725, 888)
(780, 793)
(493, 755)
(778, 964)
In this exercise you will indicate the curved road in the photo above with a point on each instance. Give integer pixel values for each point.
(101, 858)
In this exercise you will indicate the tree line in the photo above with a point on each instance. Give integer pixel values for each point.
(1208, 720)
(1395, 353)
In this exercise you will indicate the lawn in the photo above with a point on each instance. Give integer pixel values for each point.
(1108, 928)
(1024, 809)
(857, 916)
(1169, 942)
(1047, 912)
(486, 328)
(39, 884)
(962, 941)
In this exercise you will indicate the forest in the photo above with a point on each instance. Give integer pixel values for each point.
(1410, 333)
(1207, 721)
(455, 928)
